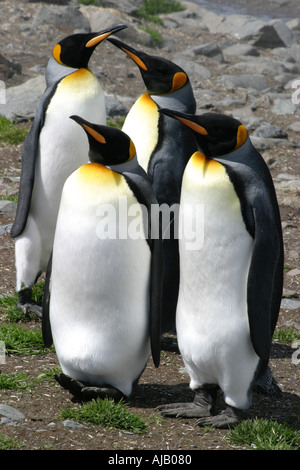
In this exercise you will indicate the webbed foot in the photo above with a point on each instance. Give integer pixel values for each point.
(227, 418)
(201, 406)
(183, 410)
(26, 304)
(84, 392)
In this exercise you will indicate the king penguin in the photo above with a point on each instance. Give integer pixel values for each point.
(52, 150)
(161, 145)
(101, 305)
(231, 280)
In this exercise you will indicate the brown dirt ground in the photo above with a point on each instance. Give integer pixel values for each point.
(43, 404)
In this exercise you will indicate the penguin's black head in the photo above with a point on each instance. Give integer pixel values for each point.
(75, 50)
(160, 75)
(108, 145)
(216, 134)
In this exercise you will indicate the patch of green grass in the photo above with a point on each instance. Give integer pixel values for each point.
(9, 309)
(155, 36)
(106, 413)
(48, 374)
(18, 381)
(118, 122)
(286, 335)
(152, 18)
(9, 198)
(21, 381)
(157, 7)
(12, 133)
(90, 2)
(8, 444)
(262, 434)
(19, 340)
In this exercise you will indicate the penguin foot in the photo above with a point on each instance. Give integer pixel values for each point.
(28, 309)
(228, 418)
(26, 304)
(200, 408)
(83, 392)
(184, 410)
(90, 393)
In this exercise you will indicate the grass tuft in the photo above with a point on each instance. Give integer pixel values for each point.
(157, 7)
(152, 8)
(19, 340)
(156, 37)
(286, 335)
(8, 444)
(11, 133)
(106, 413)
(12, 313)
(262, 434)
(14, 382)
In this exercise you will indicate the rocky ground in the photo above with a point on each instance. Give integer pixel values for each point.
(238, 65)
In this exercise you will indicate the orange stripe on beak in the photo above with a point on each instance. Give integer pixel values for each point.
(95, 134)
(94, 41)
(136, 59)
(193, 125)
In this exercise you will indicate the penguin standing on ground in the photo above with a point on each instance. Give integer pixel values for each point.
(102, 296)
(231, 282)
(52, 150)
(162, 147)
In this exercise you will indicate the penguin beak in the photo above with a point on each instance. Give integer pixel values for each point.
(132, 53)
(100, 36)
(187, 119)
(88, 127)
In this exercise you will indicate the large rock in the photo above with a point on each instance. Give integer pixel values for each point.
(265, 66)
(283, 106)
(257, 82)
(241, 50)
(21, 100)
(192, 68)
(116, 105)
(10, 412)
(101, 18)
(288, 190)
(128, 7)
(273, 34)
(270, 131)
(257, 32)
(189, 18)
(8, 208)
(289, 54)
(67, 16)
(8, 68)
(211, 50)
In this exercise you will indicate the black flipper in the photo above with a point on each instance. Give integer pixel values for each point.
(29, 155)
(144, 193)
(264, 288)
(253, 184)
(46, 326)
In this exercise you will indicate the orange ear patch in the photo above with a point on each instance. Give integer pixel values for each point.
(241, 136)
(179, 80)
(56, 53)
(132, 150)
